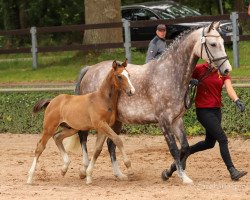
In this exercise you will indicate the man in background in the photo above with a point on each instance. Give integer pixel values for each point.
(158, 44)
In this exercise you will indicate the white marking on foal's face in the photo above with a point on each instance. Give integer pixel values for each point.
(125, 73)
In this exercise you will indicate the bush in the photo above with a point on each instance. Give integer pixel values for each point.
(16, 115)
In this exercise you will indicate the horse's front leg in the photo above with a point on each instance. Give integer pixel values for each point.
(168, 134)
(103, 127)
(112, 152)
(184, 151)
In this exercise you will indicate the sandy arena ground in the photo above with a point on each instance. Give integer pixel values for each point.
(149, 156)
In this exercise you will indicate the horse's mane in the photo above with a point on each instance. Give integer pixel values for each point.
(176, 42)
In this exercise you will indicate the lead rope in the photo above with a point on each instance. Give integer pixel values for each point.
(192, 89)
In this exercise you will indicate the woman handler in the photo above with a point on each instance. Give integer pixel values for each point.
(208, 110)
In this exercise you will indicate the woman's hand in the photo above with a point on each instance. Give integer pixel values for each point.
(240, 105)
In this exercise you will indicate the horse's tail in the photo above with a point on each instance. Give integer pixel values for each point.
(79, 79)
(43, 103)
(72, 143)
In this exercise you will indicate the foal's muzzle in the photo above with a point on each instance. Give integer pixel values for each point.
(130, 92)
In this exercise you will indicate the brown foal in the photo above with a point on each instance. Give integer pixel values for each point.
(97, 110)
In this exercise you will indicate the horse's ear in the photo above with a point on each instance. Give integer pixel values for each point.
(211, 26)
(217, 25)
(125, 63)
(114, 65)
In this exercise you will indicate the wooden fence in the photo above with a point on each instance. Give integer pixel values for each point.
(83, 27)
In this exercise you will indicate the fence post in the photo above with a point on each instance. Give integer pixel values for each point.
(127, 36)
(235, 38)
(33, 47)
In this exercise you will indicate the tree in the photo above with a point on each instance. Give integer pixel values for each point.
(10, 11)
(102, 11)
(239, 6)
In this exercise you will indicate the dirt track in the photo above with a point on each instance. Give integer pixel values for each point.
(149, 156)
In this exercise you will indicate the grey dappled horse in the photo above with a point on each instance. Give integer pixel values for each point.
(161, 85)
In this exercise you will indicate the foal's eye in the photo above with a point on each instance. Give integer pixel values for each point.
(213, 44)
(119, 77)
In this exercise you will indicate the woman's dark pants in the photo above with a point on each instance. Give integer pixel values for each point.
(210, 118)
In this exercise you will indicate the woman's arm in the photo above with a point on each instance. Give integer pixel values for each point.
(230, 90)
(232, 94)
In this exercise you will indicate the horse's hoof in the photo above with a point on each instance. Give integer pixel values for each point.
(188, 181)
(165, 175)
(82, 174)
(122, 177)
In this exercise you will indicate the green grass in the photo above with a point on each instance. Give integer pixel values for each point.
(65, 66)
(244, 53)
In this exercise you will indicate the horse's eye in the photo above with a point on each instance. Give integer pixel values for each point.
(213, 44)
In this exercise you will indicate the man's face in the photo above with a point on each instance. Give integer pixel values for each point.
(161, 33)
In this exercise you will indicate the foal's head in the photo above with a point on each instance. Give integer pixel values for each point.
(211, 48)
(121, 78)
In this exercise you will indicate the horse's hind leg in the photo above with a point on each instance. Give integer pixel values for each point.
(83, 135)
(166, 128)
(112, 147)
(58, 138)
(100, 139)
(103, 127)
(39, 149)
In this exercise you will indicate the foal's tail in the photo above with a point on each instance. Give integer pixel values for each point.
(79, 79)
(43, 103)
(72, 144)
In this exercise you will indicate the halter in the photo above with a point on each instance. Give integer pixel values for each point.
(209, 54)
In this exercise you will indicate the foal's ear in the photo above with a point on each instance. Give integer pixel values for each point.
(211, 26)
(124, 64)
(114, 65)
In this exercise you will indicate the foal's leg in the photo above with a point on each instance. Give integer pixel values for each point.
(100, 139)
(184, 151)
(58, 138)
(103, 127)
(111, 147)
(46, 135)
(83, 135)
(167, 131)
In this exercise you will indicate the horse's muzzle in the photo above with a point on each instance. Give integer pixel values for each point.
(226, 72)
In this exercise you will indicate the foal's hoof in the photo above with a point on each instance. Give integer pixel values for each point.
(165, 175)
(82, 174)
(130, 172)
(89, 181)
(29, 182)
(63, 172)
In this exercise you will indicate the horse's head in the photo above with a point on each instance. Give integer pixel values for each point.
(121, 78)
(210, 47)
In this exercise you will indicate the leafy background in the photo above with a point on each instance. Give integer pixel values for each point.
(16, 115)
